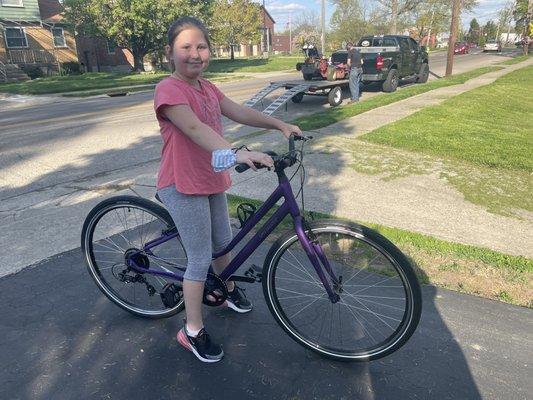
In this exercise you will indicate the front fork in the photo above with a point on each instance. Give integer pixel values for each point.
(316, 255)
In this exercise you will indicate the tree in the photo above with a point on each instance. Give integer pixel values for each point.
(431, 17)
(306, 36)
(473, 32)
(523, 16)
(396, 8)
(137, 25)
(347, 21)
(490, 30)
(235, 22)
(306, 30)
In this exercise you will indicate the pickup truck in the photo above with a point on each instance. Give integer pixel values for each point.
(390, 58)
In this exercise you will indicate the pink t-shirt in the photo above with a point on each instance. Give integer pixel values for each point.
(183, 162)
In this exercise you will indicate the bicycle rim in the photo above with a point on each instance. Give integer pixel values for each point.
(122, 228)
(376, 312)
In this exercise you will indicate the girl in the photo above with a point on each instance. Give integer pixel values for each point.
(192, 177)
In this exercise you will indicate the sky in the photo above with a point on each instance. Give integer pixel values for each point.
(281, 9)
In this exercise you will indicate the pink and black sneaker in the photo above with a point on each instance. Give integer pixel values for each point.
(201, 345)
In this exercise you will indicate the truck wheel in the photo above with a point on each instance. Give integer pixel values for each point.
(308, 77)
(391, 83)
(335, 96)
(298, 97)
(423, 74)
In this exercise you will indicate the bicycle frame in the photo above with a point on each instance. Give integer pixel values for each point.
(284, 190)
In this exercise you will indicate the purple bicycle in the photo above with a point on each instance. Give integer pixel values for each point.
(337, 288)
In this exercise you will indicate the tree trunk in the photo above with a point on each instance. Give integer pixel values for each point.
(231, 52)
(138, 54)
(138, 64)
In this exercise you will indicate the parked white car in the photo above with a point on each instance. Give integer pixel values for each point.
(492, 45)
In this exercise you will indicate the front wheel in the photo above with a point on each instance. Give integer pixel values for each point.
(423, 73)
(379, 303)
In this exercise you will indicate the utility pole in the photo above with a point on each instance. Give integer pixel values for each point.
(264, 28)
(290, 34)
(453, 35)
(323, 24)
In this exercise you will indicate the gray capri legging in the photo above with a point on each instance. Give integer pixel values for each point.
(198, 218)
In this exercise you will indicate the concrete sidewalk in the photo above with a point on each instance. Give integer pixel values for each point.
(424, 203)
(62, 339)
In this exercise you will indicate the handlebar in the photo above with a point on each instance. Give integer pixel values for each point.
(280, 162)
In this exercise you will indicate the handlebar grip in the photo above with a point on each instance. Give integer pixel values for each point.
(241, 168)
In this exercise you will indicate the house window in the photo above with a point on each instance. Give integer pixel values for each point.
(16, 37)
(111, 47)
(59, 37)
(12, 3)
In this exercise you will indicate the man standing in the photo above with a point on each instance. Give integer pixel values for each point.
(355, 65)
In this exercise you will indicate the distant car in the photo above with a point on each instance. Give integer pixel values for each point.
(460, 48)
(492, 45)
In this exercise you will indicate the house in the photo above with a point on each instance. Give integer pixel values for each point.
(281, 44)
(253, 49)
(32, 33)
(98, 54)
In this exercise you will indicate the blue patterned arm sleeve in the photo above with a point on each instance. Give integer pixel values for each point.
(223, 159)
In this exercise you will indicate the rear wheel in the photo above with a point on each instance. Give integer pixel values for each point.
(335, 96)
(391, 83)
(380, 301)
(308, 77)
(112, 235)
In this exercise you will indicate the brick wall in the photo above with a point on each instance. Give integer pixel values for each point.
(94, 54)
(280, 43)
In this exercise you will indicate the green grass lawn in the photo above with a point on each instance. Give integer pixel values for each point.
(464, 268)
(490, 126)
(217, 71)
(336, 114)
(72, 83)
(516, 60)
(92, 81)
(276, 63)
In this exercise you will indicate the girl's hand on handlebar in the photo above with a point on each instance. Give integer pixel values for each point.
(288, 130)
(251, 157)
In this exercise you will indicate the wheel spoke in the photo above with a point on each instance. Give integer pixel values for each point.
(373, 297)
(122, 228)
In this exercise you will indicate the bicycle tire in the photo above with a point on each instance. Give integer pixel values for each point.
(115, 242)
(367, 245)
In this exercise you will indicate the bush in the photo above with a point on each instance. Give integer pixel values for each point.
(32, 71)
(71, 68)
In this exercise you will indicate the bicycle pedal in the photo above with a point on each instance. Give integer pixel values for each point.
(254, 272)
(170, 295)
(245, 279)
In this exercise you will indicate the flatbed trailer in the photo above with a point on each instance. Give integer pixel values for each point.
(296, 90)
